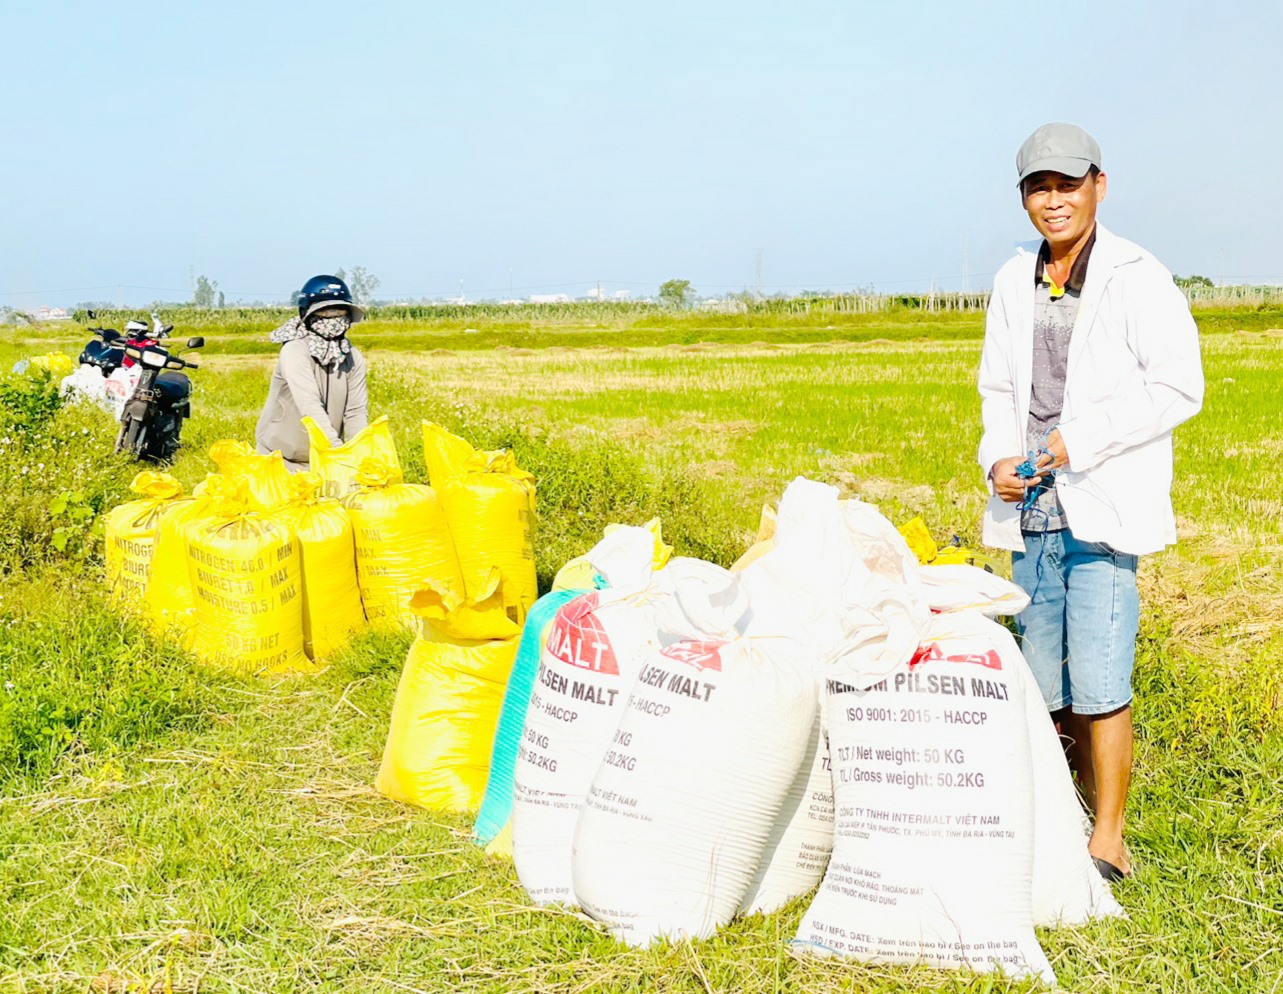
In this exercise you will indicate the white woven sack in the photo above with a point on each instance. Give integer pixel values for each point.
(684, 804)
(1067, 888)
(933, 850)
(596, 647)
(802, 839)
(961, 587)
(841, 580)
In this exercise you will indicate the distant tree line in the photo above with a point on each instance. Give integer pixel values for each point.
(207, 296)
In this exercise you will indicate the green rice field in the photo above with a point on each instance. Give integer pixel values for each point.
(167, 828)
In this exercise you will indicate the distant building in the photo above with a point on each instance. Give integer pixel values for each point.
(549, 298)
(721, 306)
(599, 295)
(52, 314)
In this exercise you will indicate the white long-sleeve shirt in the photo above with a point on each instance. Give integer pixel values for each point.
(1134, 374)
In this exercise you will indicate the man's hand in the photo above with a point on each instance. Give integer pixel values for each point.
(1059, 458)
(1010, 487)
(1006, 484)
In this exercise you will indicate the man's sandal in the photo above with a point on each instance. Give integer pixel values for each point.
(1109, 871)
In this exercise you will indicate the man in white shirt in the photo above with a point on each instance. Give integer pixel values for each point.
(1090, 360)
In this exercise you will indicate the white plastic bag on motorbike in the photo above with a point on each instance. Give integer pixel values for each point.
(120, 386)
(88, 384)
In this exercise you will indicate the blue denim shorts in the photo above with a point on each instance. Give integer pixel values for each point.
(1079, 631)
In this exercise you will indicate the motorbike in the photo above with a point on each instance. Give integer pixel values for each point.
(151, 419)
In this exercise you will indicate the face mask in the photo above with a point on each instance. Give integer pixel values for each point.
(330, 328)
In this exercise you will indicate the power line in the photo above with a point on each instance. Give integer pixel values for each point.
(855, 284)
(278, 293)
(69, 289)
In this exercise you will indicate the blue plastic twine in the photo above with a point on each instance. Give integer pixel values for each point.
(1027, 470)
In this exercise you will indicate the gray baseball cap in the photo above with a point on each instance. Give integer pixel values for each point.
(1057, 148)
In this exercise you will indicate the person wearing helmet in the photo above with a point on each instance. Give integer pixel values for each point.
(318, 374)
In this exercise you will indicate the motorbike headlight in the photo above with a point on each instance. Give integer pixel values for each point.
(154, 359)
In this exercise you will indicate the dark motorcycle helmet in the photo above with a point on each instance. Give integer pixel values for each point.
(323, 291)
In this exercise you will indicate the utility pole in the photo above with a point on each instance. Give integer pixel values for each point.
(599, 291)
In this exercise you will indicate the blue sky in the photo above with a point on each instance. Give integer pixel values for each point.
(545, 146)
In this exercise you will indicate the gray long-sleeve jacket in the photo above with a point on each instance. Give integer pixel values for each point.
(302, 387)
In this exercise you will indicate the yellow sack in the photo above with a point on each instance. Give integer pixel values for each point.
(130, 531)
(578, 574)
(764, 542)
(247, 578)
(951, 555)
(921, 544)
(337, 465)
(170, 602)
(501, 845)
(56, 364)
(490, 504)
(331, 599)
(266, 477)
(402, 544)
(448, 700)
(445, 454)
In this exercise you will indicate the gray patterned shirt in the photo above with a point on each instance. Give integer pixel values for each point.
(1053, 325)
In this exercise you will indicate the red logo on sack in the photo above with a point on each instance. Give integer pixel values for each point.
(933, 653)
(577, 637)
(701, 655)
